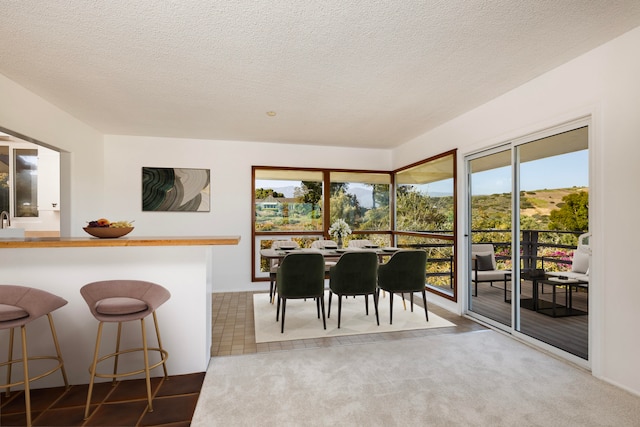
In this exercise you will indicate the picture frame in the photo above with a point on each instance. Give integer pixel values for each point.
(176, 189)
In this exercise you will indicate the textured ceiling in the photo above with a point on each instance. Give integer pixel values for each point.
(359, 73)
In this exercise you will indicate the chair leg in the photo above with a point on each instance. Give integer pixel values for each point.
(58, 352)
(424, 300)
(284, 307)
(27, 388)
(366, 304)
(10, 358)
(93, 370)
(329, 308)
(324, 321)
(339, 311)
(404, 302)
(164, 364)
(412, 302)
(376, 296)
(147, 374)
(116, 358)
(278, 308)
(318, 306)
(391, 308)
(271, 289)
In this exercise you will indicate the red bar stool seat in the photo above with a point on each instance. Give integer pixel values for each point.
(19, 306)
(118, 301)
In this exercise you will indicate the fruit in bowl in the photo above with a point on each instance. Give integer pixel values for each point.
(105, 229)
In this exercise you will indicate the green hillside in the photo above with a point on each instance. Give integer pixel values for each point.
(494, 211)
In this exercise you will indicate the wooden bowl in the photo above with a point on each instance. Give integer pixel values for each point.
(108, 232)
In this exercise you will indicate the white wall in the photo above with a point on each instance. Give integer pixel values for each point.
(81, 149)
(603, 84)
(230, 164)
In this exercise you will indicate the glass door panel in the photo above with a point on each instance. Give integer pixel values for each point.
(553, 196)
(490, 214)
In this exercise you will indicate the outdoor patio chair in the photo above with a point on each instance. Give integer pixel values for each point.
(484, 267)
(580, 261)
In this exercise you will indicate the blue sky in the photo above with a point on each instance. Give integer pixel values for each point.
(563, 171)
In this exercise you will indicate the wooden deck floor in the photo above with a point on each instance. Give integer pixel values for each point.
(567, 333)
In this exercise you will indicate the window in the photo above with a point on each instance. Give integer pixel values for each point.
(19, 181)
(26, 182)
(301, 204)
(362, 200)
(426, 217)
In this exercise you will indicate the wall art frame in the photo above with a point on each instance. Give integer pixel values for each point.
(176, 189)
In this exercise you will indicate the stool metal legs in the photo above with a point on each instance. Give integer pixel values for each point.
(25, 365)
(145, 351)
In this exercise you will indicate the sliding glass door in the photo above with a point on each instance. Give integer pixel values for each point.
(532, 195)
(553, 212)
(490, 216)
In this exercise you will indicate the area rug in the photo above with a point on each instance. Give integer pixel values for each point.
(302, 321)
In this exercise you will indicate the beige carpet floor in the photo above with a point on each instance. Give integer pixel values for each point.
(469, 379)
(301, 320)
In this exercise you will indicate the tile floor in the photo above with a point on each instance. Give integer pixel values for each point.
(175, 398)
(234, 330)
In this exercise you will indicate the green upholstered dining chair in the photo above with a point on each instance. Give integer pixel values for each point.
(355, 273)
(300, 275)
(404, 272)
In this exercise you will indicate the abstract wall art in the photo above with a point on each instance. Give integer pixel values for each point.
(175, 189)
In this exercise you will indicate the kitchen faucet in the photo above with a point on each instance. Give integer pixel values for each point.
(5, 215)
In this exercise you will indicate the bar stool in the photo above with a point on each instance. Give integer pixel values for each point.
(20, 305)
(118, 301)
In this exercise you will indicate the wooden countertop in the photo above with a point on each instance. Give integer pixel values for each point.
(71, 242)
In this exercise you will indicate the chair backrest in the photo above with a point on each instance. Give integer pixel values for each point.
(479, 250)
(360, 243)
(22, 305)
(581, 256)
(277, 244)
(405, 271)
(301, 275)
(323, 244)
(354, 273)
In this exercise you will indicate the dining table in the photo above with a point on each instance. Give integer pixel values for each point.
(280, 253)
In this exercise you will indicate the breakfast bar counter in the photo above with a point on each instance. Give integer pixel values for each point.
(69, 242)
(183, 265)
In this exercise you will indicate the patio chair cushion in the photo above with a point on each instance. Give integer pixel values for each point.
(580, 262)
(484, 262)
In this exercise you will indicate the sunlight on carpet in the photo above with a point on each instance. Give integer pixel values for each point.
(302, 321)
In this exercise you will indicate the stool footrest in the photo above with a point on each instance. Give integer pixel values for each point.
(37, 377)
(164, 356)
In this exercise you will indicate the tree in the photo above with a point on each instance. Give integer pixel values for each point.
(263, 193)
(345, 206)
(311, 193)
(418, 212)
(573, 213)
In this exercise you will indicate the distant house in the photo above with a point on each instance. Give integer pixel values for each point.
(271, 202)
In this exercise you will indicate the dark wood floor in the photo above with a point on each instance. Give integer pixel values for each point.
(567, 333)
(174, 401)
